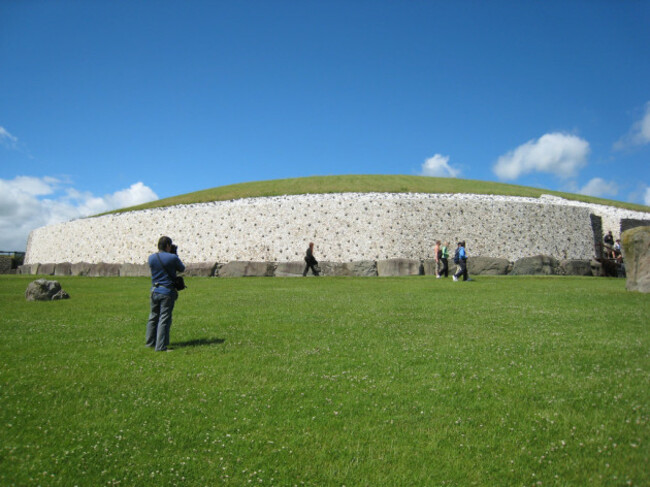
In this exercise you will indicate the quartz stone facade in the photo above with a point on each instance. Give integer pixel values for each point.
(345, 228)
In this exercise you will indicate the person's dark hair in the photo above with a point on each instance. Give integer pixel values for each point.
(164, 242)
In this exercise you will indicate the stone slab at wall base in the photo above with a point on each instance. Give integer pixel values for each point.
(398, 267)
(289, 269)
(488, 266)
(247, 269)
(46, 269)
(29, 269)
(575, 268)
(538, 265)
(135, 270)
(636, 255)
(199, 269)
(63, 269)
(105, 270)
(361, 268)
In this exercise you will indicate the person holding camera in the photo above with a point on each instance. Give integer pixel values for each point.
(164, 265)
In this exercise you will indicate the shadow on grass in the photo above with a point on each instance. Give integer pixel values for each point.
(199, 342)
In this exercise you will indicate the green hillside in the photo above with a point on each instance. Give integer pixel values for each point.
(367, 184)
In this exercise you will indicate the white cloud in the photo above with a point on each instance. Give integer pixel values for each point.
(599, 187)
(438, 166)
(27, 203)
(555, 153)
(6, 138)
(646, 197)
(639, 134)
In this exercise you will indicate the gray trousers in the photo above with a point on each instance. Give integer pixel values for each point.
(160, 321)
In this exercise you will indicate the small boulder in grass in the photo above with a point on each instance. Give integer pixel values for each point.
(44, 290)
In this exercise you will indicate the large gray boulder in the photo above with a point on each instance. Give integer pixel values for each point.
(636, 255)
(575, 267)
(538, 265)
(398, 267)
(247, 269)
(488, 266)
(44, 290)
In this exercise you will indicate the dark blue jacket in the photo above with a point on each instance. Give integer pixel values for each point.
(160, 280)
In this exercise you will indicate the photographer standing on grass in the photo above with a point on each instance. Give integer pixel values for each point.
(164, 264)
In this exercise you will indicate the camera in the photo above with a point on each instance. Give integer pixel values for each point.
(174, 249)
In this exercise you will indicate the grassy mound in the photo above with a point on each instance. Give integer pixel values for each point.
(367, 184)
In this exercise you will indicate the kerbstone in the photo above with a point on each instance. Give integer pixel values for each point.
(289, 269)
(488, 266)
(575, 267)
(398, 267)
(200, 269)
(63, 269)
(247, 269)
(134, 270)
(539, 265)
(46, 269)
(104, 270)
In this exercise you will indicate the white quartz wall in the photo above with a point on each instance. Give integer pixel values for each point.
(345, 227)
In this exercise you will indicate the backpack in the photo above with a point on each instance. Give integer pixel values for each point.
(457, 256)
(440, 254)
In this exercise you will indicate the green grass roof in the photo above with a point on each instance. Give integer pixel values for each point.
(367, 184)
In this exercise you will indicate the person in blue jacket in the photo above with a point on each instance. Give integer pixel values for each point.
(460, 259)
(164, 265)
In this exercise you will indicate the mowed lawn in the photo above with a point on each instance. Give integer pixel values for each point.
(504, 381)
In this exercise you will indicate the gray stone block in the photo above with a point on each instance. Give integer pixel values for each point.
(80, 269)
(135, 270)
(28, 269)
(247, 269)
(104, 270)
(200, 269)
(63, 269)
(46, 269)
(398, 267)
(575, 267)
(487, 266)
(359, 268)
(429, 267)
(539, 265)
(290, 269)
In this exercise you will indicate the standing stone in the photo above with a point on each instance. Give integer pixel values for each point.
(44, 290)
(636, 255)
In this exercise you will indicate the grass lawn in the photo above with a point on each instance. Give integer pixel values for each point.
(504, 381)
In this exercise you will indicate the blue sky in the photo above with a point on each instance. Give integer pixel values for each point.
(106, 104)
